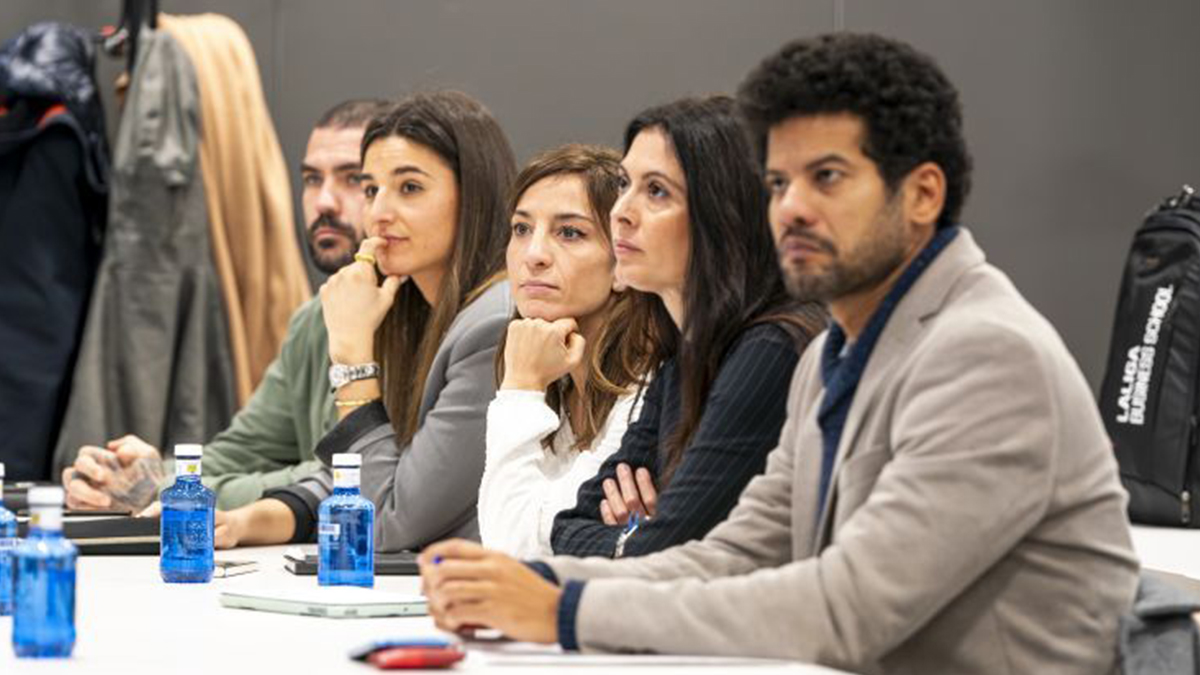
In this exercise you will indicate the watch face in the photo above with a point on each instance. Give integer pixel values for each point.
(338, 375)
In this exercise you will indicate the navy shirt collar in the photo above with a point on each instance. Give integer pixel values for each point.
(832, 356)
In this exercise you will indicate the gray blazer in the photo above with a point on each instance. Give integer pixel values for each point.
(975, 522)
(427, 490)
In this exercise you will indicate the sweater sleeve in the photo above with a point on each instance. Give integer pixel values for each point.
(518, 500)
(514, 482)
(261, 449)
(743, 414)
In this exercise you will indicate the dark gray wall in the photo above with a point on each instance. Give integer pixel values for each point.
(1080, 113)
(1080, 116)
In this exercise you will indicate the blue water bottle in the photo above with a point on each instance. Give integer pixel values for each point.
(44, 608)
(8, 541)
(346, 529)
(187, 522)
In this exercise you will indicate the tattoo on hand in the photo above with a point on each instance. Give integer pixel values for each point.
(133, 488)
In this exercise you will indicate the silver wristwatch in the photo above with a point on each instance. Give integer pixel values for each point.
(342, 375)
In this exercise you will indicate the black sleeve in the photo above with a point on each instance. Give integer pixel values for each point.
(304, 514)
(579, 531)
(743, 415)
(351, 428)
(304, 498)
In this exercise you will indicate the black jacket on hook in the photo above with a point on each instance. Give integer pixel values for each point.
(53, 203)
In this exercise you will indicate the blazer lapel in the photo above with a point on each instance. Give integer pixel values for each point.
(924, 299)
(807, 450)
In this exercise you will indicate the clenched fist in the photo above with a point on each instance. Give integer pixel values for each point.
(539, 352)
(122, 476)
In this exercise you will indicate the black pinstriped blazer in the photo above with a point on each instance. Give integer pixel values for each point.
(742, 417)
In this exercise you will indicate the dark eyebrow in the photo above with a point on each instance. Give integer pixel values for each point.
(571, 215)
(408, 168)
(567, 215)
(346, 166)
(831, 158)
(398, 171)
(666, 179)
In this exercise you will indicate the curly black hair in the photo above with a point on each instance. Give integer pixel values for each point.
(909, 107)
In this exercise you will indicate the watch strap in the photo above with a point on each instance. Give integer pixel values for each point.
(340, 374)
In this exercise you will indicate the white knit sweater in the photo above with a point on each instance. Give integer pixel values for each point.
(525, 484)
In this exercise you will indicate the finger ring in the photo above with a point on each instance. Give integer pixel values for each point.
(365, 257)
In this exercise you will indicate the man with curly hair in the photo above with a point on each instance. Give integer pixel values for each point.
(943, 499)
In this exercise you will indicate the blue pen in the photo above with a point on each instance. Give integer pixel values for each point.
(631, 526)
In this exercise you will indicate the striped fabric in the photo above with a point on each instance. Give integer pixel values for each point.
(743, 415)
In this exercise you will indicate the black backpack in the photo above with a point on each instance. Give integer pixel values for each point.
(1150, 398)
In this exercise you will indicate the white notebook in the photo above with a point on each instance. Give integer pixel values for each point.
(336, 602)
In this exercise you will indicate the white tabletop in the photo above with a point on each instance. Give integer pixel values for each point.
(130, 622)
(1168, 549)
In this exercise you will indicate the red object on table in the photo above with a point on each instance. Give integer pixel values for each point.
(417, 657)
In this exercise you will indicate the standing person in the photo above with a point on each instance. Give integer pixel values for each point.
(270, 442)
(944, 481)
(412, 356)
(571, 366)
(691, 235)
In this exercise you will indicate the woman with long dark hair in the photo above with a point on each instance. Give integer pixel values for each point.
(691, 233)
(411, 356)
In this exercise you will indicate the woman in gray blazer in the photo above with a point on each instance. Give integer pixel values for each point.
(412, 356)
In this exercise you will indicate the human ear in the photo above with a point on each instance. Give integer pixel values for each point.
(925, 194)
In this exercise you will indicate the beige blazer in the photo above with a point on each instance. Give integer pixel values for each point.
(975, 523)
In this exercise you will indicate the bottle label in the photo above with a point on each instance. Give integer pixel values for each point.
(329, 530)
(346, 477)
(46, 518)
(187, 537)
(187, 467)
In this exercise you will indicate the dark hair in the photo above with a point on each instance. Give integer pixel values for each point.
(352, 114)
(466, 136)
(909, 107)
(620, 355)
(733, 278)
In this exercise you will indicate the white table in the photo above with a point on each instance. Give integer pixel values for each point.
(129, 622)
(1168, 549)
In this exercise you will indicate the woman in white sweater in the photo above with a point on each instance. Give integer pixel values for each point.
(568, 368)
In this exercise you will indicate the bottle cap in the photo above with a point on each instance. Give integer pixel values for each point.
(347, 459)
(188, 450)
(1, 469)
(46, 496)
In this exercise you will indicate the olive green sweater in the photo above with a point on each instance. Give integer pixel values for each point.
(270, 442)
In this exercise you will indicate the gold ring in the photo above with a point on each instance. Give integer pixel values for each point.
(365, 257)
